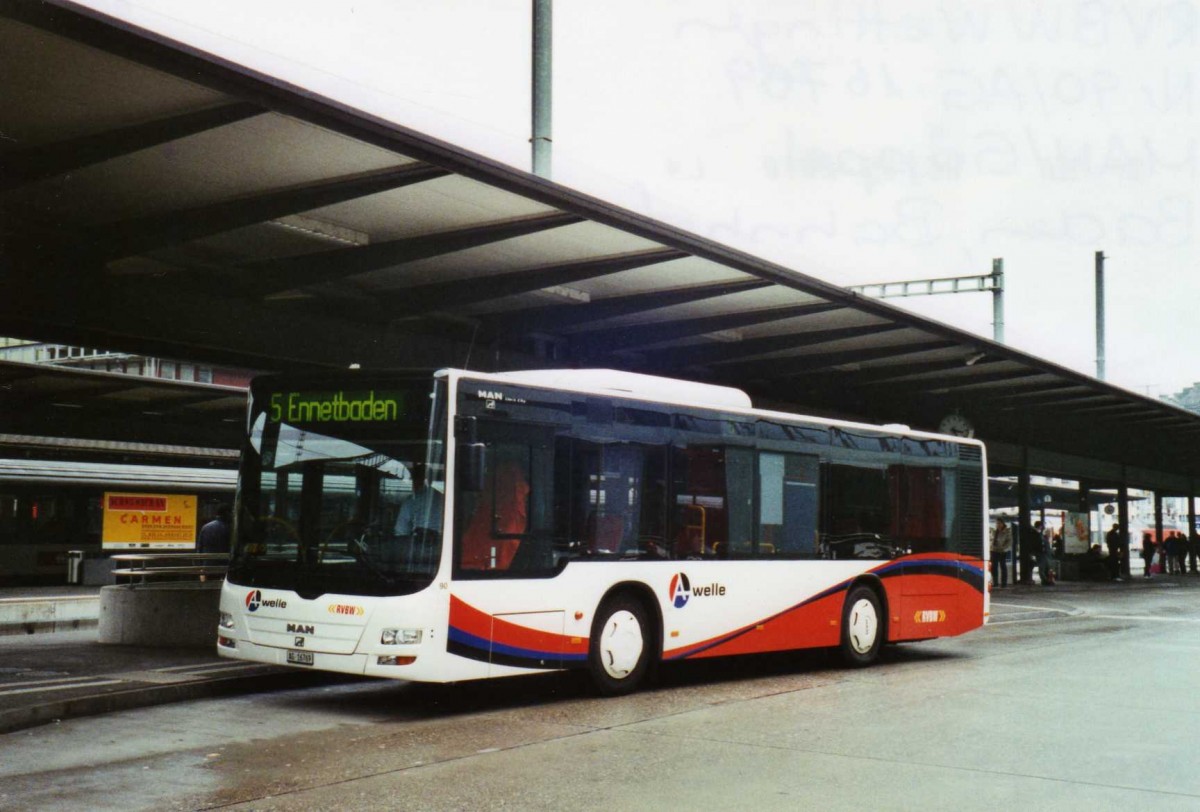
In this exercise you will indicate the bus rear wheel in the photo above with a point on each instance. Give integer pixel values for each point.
(619, 655)
(862, 627)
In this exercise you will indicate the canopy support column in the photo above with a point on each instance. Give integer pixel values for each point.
(1193, 538)
(1024, 572)
(1123, 518)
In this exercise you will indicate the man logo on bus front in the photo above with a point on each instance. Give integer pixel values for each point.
(681, 590)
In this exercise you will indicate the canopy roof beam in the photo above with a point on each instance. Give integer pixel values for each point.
(421, 298)
(29, 164)
(558, 318)
(799, 364)
(277, 275)
(629, 337)
(158, 231)
(722, 353)
(956, 380)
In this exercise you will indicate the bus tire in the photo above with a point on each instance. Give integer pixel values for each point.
(620, 651)
(862, 627)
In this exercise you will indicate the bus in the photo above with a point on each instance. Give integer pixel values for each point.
(461, 525)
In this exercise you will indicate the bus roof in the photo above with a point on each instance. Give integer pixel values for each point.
(673, 390)
(617, 382)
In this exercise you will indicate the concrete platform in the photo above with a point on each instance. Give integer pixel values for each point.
(49, 677)
(49, 609)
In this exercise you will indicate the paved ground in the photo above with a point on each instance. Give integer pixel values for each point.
(1076, 698)
(47, 677)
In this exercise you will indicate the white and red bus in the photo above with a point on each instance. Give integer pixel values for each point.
(466, 525)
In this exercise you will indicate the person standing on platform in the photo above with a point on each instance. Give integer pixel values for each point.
(1148, 554)
(1031, 552)
(1001, 545)
(1112, 540)
(1041, 549)
(1181, 553)
(214, 536)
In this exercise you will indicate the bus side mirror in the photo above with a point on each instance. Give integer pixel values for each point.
(472, 463)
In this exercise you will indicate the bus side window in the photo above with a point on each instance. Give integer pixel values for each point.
(921, 515)
(788, 503)
(859, 510)
(609, 500)
(712, 491)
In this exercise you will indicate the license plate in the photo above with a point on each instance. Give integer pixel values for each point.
(299, 657)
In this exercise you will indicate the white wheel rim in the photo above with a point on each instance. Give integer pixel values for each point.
(621, 644)
(863, 626)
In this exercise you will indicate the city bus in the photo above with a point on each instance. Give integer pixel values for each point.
(462, 525)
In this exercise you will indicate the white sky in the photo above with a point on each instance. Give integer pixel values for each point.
(853, 140)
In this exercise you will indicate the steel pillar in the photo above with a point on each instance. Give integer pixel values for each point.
(1100, 315)
(543, 76)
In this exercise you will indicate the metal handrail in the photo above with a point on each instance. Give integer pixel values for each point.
(150, 566)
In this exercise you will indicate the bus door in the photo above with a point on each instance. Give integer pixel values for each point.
(505, 528)
(923, 490)
(504, 532)
(923, 493)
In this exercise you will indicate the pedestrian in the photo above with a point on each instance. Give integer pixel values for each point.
(1148, 554)
(1033, 546)
(1050, 558)
(214, 536)
(1181, 553)
(1001, 545)
(1116, 547)
(1041, 550)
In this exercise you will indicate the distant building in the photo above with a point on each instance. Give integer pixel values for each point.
(1188, 398)
(31, 352)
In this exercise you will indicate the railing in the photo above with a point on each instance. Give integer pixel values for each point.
(138, 567)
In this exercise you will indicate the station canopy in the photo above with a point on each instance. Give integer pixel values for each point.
(160, 200)
(51, 411)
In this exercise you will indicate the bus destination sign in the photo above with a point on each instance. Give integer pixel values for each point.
(335, 407)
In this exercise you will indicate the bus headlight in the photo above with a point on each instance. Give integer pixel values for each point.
(225, 620)
(400, 637)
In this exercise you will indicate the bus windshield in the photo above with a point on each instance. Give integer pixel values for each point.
(341, 488)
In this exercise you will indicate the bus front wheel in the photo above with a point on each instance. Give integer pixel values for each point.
(862, 627)
(620, 650)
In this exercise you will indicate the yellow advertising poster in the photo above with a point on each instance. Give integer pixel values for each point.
(156, 521)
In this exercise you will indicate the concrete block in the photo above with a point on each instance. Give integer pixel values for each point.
(171, 614)
(49, 614)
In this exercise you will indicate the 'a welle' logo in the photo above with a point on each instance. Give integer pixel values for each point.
(680, 590)
(254, 600)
